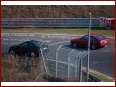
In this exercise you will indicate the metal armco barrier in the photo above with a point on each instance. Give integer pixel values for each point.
(48, 22)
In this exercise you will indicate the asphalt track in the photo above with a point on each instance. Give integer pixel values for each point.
(101, 60)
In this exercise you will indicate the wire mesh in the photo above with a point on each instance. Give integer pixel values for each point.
(64, 64)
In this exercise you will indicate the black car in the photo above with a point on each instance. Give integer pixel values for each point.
(29, 48)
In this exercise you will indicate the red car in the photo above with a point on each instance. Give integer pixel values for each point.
(96, 41)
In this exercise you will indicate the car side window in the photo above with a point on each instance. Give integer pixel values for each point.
(23, 45)
(92, 38)
(84, 38)
(30, 45)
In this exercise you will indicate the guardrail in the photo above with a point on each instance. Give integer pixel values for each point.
(48, 22)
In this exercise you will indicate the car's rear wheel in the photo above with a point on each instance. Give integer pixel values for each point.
(11, 52)
(93, 46)
(74, 45)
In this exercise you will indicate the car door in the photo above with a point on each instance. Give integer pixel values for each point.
(84, 41)
(21, 49)
(31, 47)
(93, 40)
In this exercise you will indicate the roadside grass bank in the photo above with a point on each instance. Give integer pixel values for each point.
(72, 31)
(16, 69)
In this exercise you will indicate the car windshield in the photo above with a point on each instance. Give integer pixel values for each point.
(100, 37)
(37, 43)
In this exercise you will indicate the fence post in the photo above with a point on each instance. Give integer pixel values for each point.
(44, 61)
(75, 67)
(32, 64)
(57, 59)
(69, 63)
(78, 66)
(89, 31)
(41, 51)
(80, 70)
(26, 61)
(76, 59)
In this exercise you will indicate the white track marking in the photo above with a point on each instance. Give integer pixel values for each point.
(95, 62)
(58, 43)
(58, 36)
(18, 34)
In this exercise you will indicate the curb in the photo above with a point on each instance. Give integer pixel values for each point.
(108, 77)
(92, 78)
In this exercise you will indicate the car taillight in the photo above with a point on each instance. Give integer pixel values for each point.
(101, 41)
(104, 41)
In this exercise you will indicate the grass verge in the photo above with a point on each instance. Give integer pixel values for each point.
(61, 31)
(103, 78)
(16, 69)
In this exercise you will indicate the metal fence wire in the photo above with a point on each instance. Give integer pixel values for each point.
(62, 62)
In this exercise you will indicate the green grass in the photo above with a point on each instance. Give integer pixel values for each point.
(103, 78)
(61, 31)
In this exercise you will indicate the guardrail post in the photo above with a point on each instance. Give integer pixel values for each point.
(57, 59)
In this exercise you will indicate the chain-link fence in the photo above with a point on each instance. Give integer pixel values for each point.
(63, 61)
(60, 62)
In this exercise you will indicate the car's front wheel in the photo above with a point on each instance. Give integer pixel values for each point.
(11, 52)
(93, 46)
(74, 44)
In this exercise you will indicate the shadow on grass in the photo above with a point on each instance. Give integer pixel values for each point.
(53, 79)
